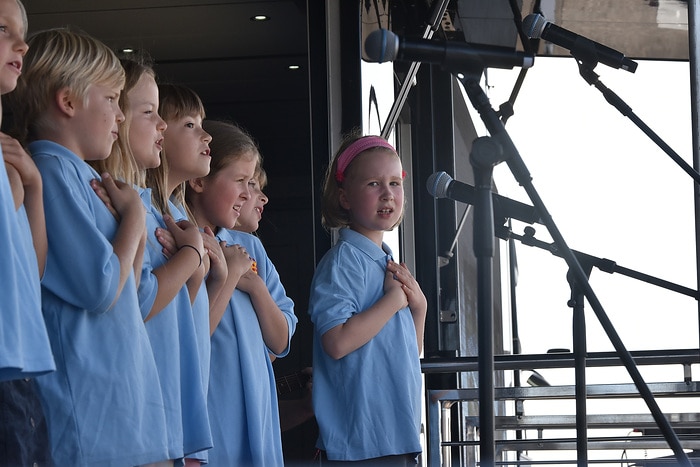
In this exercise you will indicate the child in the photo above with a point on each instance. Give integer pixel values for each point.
(103, 402)
(251, 212)
(165, 302)
(185, 155)
(258, 320)
(25, 351)
(368, 314)
(293, 412)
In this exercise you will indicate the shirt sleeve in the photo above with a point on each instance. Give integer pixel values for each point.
(336, 291)
(81, 266)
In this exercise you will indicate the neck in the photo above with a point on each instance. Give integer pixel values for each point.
(201, 221)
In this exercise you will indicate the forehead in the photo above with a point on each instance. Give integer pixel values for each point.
(378, 161)
(146, 80)
(187, 117)
(11, 10)
(240, 166)
(145, 87)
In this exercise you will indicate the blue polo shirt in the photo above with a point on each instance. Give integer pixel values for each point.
(243, 408)
(174, 342)
(103, 404)
(24, 344)
(367, 404)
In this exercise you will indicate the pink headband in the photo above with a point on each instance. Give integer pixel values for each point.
(362, 144)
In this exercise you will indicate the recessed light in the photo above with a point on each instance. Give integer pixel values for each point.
(294, 67)
(127, 50)
(260, 18)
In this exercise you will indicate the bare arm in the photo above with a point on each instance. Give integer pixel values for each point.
(237, 263)
(101, 193)
(127, 203)
(138, 261)
(362, 327)
(175, 273)
(273, 323)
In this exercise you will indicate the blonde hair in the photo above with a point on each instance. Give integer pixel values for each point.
(333, 215)
(176, 101)
(57, 59)
(23, 12)
(121, 163)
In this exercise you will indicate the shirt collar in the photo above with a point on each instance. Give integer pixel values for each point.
(365, 245)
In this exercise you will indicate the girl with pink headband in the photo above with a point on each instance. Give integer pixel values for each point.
(368, 314)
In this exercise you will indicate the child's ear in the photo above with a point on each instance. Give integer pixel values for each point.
(343, 199)
(196, 184)
(65, 101)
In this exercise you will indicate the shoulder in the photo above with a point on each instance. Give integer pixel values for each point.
(343, 259)
(56, 161)
(242, 238)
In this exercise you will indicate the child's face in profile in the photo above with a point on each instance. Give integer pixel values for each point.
(224, 194)
(12, 45)
(251, 211)
(145, 125)
(187, 149)
(97, 117)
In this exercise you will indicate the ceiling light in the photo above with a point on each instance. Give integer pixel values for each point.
(260, 18)
(127, 50)
(293, 67)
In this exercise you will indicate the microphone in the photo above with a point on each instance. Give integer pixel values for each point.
(441, 185)
(383, 45)
(586, 50)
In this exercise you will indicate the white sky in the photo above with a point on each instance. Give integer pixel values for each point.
(613, 194)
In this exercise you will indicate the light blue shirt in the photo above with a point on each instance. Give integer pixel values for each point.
(242, 393)
(367, 403)
(103, 404)
(25, 350)
(174, 341)
(200, 316)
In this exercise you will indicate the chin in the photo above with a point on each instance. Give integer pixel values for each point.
(229, 224)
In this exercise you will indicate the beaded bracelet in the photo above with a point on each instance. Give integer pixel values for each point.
(195, 249)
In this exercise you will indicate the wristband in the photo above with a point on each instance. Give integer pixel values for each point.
(195, 249)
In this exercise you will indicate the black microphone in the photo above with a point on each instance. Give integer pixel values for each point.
(586, 50)
(383, 45)
(441, 185)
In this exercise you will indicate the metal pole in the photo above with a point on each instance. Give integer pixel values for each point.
(694, 58)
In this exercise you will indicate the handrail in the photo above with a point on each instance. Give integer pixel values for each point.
(436, 397)
(560, 360)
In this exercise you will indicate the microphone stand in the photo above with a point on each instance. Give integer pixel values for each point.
(500, 145)
(579, 337)
(485, 155)
(587, 73)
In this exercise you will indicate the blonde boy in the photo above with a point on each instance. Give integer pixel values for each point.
(103, 402)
